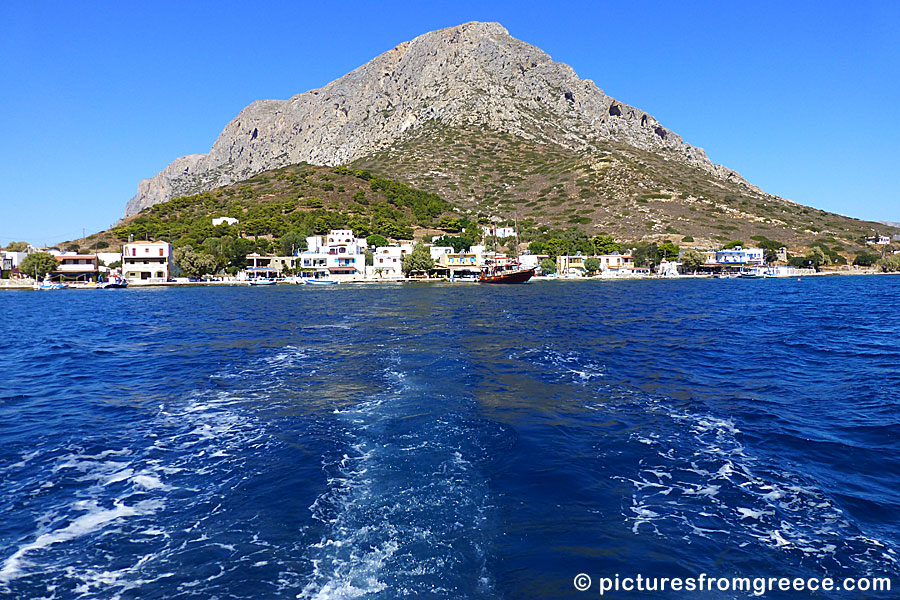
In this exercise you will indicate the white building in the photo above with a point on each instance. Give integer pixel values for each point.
(438, 251)
(220, 220)
(76, 267)
(502, 232)
(10, 260)
(147, 262)
(739, 256)
(389, 259)
(345, 253)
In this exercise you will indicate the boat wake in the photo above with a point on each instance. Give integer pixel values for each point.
(406, 512)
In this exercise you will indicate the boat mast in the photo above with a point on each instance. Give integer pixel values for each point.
(516, 217)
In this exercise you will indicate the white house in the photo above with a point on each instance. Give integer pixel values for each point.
(389, 259)
(345, 253)
(76, 267)
(438, 251)
(220, 220)
(502, 232)
(147, 262)
(10, 260)
(740, 256)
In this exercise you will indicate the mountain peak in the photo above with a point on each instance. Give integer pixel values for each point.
(474, 74)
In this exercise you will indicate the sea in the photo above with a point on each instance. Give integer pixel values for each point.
(449, 441)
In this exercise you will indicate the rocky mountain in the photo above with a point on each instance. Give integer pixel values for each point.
(472, 75)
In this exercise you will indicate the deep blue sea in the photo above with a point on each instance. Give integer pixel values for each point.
(447, 440)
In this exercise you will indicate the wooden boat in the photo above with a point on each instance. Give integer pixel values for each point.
(505, 272)
(321, 281)
(262, 282)
(508, 276)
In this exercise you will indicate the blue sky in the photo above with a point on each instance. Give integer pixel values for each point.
(799, 97)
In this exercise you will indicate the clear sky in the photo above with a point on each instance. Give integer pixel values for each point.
(799, 97)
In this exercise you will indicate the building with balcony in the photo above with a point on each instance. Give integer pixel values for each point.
(345, 254)
(267, 267)
(147, 262)
(459, 264)
(733, 260)
(76, 267)
(574, 265)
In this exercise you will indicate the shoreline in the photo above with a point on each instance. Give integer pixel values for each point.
(8, 284)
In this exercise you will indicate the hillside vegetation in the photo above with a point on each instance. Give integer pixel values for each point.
(300, 198)
(616, 189)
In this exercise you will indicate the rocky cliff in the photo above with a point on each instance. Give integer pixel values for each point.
(475, 74)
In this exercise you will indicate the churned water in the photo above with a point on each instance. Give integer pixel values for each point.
(447, 441)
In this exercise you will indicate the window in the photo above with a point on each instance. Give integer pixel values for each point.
(160, 251)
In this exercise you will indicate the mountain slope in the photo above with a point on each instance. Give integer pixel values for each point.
(474, 74)
(614, 188)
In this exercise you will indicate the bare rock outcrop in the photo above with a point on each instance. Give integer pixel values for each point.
(475, 73)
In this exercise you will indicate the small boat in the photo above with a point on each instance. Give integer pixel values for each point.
(50, 285)
(321, 281)
(114, 282)
(263, 282)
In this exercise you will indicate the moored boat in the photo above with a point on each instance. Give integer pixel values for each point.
(507, 276)
(503, 269)
(262, 281)
(47, 284)
(321, 281)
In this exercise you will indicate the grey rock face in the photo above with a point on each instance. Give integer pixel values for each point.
(475, 73)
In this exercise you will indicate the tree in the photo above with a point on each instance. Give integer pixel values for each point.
(291, 242)
(645, 254)
(692, 259)
(236, 254)
(556, 247)
(816, 258)
(192, 263)
(450, 224)
(890, 264)
(591, 265)
(732, 244)
(687, 239)
(864, 259)
(548, 266)
(376, 240)
(537, 247)
(38, 264)
(458, 243)
(216, 247)
(666, 251)
(370, 258)
(606, 244)
(17, 247)
(417, 261)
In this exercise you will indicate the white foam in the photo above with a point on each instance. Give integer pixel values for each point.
(150, 482)
(96, 518)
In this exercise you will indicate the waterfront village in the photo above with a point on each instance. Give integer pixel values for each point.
(341, 257)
